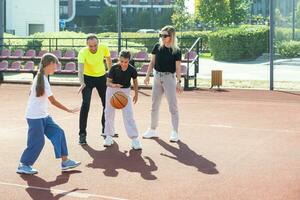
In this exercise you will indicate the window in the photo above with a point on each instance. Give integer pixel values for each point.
(63, 10)
(35, 28)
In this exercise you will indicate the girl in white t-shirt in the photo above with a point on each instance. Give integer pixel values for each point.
(40, 123)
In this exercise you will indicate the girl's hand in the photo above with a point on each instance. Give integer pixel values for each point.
(135, 98)
(74, 110)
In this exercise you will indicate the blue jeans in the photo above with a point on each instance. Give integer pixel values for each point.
(36, 140)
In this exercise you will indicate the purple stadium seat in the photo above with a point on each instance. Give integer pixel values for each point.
(142, 55)
(70, 67)
(29, 66)
(3, 65)
(41, 53)
(183, 69)
(69, 54)
(190, 55)
(57, 53)
(114, 55)
(5, 53)
(30, 54)
(18, 53)
(15, 66)
(143, 70)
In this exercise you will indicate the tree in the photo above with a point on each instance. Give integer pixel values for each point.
(297, 17)
(107, 20)
(238, 11)
(214, 12)
(180, 17)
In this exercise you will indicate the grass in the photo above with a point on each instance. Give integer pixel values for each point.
(206, 56)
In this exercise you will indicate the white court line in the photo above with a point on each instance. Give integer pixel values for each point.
(56, 191)
(228, 126)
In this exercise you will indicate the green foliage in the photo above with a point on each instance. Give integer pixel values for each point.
(283, 34)
(245, 42)
(108, 19)
(289, 49)
(214, 12)
(238, 11)
(181, 19)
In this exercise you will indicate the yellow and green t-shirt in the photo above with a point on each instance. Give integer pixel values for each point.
(93, 64)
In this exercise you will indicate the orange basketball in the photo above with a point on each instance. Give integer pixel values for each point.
(119, 100)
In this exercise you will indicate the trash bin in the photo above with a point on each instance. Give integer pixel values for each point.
(216, 78)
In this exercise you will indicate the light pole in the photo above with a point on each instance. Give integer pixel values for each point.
(119, 24)
(271, 44)
(1, 23)
(293, 7)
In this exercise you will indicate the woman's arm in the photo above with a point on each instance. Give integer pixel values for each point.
(178, 76)
(150, 69)
(60, 106)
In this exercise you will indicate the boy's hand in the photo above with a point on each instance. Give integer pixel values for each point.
(117, 85)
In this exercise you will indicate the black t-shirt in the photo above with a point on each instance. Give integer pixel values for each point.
(165, 60)
(122, 77)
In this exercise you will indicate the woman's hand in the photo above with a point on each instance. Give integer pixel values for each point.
(179, 89)
(147, 80)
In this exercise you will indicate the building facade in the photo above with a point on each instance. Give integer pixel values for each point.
(24, 18)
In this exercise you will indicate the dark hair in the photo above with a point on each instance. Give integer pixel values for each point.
(90, 37)
(46, 60)
(125, 54)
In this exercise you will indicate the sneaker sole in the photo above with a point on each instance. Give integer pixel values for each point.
(24, 172)
(174, 141)
(150, 137)
(138, 149)
(82, 144)
(70, 167)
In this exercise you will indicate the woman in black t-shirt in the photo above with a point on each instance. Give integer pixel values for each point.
(119, 78)
(166, 60)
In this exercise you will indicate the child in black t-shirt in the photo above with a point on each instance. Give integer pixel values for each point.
(119, 78)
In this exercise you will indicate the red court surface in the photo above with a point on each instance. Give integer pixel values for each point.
(235, 145)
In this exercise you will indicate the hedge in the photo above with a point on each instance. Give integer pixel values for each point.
(233, 44)
(289, 49)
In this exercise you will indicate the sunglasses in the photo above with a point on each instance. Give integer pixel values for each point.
(164, 36)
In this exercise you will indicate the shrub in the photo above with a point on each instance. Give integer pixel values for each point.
(245, 42)
(289, 49)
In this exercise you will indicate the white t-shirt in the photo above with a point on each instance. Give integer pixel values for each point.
(37, 107)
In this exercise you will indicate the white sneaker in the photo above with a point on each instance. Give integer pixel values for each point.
(174, 136)
(150, 133)
(136, 145)
(108, 141)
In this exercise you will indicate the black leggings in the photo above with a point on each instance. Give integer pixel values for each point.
(90, 82)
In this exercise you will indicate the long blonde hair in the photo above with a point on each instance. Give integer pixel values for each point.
(171, 31)
(47, 59)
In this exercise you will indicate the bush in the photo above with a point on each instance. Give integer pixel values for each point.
(245, 42)
(289, 49)
(285, 34)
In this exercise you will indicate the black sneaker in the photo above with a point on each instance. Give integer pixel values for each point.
(82, 140)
